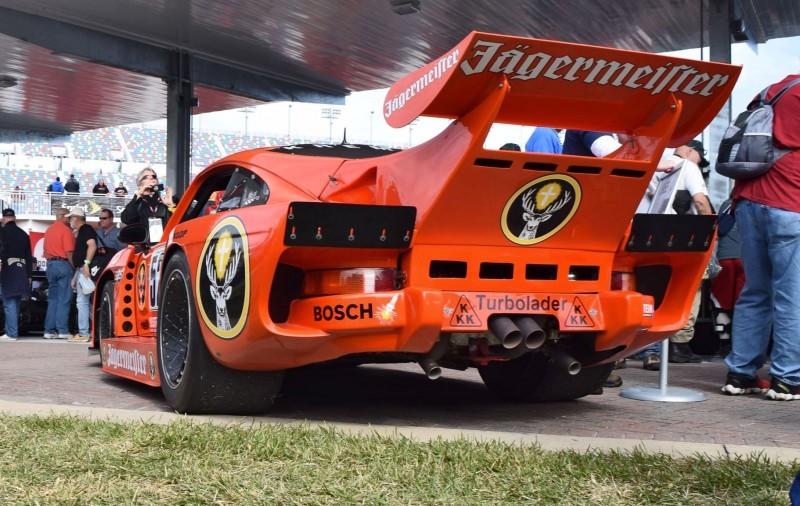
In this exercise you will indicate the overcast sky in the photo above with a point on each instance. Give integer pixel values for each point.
(361, 115)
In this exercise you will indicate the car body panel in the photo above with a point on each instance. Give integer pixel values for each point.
(473, 233)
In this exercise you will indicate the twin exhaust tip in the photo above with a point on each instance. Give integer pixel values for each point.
(514, 332)
(518, 330)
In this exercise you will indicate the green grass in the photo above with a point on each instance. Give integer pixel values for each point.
(66, 460)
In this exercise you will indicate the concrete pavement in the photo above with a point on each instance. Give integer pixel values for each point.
(42, 377)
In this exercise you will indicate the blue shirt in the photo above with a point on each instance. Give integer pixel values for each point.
(543, 140)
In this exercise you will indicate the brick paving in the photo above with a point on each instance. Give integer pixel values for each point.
(51, 372)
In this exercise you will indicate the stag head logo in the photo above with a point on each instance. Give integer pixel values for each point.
(540, 209)
(223, 280)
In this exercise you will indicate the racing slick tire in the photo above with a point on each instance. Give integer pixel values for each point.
(192, 381)
(104, 317)
(535, 378)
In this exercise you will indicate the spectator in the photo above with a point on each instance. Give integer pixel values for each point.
(56, 186)
(544, 140)
(59, 243)
(107, 230)
(100, 188)
(85, 248)
(15, 276)
(767, 209)
(148, 202)
(510, 146)
(120, 190)
(728, 284)
(72, 185)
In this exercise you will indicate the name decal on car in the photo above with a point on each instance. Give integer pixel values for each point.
(525, 62)
(223, 279)
(343, 311)
(540, 208)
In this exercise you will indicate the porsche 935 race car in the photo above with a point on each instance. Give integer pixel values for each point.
(530, 267)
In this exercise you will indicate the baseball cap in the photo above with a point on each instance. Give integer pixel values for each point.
(9, 212)
(698, 146)
(77, 212)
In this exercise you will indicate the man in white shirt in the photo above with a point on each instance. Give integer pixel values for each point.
(691, 194)
(690, 197)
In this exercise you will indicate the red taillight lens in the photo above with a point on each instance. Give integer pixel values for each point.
(339, 281)
(623, 281)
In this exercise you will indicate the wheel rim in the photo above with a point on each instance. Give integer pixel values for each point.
(174, 329)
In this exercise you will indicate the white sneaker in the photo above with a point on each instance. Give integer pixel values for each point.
(64, 336)
(49, 335)
(6, 337)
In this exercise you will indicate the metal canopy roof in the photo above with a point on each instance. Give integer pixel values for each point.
(82, 64)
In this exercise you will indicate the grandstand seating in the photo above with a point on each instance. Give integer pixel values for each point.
(204, 149)
(95, 144)
(35, 167)
(146, 145)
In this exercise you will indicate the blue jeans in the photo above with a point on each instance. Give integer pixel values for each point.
(771, 260)
(59, 297)
(11, 308)
(84, 303)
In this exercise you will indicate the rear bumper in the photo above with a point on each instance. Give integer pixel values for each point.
(411, 320)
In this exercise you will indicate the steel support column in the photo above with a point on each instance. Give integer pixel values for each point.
(720, 18)
(180, 100)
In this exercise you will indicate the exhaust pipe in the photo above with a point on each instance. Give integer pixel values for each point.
(562, 359)
(533, 335)
(431, 368)
(505, 330)
(429, 361)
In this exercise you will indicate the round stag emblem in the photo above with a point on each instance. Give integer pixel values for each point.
(540, 209)
(223, 279)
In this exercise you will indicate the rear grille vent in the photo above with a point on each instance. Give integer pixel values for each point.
(628, 173)
(583, 169)
(584, 273)
(493, 162)
(447, 269)
(541, 272)
(491, 270)
(544, 167)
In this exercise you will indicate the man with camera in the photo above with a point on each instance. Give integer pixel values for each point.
(152, 204)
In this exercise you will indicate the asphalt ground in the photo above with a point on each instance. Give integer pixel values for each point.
(40, 377)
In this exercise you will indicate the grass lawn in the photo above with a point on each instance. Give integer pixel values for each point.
(67, 460)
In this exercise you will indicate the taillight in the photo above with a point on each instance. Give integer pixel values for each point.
(340, 281)
(623, 281)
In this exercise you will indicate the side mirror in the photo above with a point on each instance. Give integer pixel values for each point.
(135, 234)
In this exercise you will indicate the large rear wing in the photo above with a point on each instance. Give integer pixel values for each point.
(563, 85)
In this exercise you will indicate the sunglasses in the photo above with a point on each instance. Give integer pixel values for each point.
(148, 176)
(104, 218)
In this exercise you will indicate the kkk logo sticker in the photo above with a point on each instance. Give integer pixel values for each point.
(540, 209)
(223, 279)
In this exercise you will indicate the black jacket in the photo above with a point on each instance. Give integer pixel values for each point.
(17, 262)
(141, 209)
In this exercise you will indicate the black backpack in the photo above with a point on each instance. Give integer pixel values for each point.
(748, 149)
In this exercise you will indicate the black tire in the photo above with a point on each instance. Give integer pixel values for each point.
(104, 317)
(536, 378)
(192, 381)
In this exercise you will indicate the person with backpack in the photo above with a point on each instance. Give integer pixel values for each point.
(767, 212)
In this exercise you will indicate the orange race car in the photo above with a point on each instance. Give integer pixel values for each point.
(530, 267)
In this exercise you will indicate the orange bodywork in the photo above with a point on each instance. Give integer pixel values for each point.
(471, 232)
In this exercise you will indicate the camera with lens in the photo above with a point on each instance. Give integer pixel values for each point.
(158, 187)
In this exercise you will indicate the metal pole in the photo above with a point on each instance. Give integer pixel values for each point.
(663, 393)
